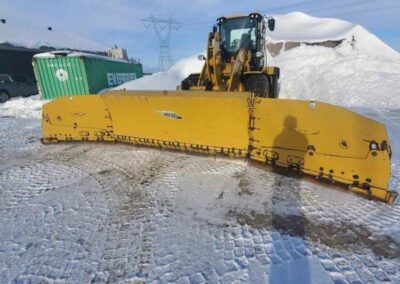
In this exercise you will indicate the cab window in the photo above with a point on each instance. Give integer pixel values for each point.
(5, 79)
(19, 79)
(237, 33)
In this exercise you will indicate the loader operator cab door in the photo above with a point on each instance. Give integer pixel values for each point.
(243, 32)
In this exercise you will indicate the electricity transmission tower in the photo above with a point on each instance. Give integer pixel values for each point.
(163, 29)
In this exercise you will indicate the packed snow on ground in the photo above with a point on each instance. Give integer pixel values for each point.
(103, 213)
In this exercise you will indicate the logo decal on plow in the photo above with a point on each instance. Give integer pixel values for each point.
(169, 114)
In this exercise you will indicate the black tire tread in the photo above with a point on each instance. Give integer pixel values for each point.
(257, 84)
(6, 93)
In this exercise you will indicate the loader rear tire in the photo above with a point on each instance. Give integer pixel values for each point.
(274, 86)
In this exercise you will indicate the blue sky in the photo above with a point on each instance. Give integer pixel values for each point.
(118, 21)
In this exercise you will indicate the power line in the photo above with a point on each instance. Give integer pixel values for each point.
(334, 7)
(357, 3)
(163, 29)
(201, 23)
(209, 22)
(368, 10)
(292, 5)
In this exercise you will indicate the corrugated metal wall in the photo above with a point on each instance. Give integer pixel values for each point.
(72, 75)
(105, 74)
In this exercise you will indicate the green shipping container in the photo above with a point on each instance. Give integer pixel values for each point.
(74, 73)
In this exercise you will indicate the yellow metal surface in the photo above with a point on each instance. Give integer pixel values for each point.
(270, 70)
(196, 121)
(323, 140)
(315, 138)
(76, 118)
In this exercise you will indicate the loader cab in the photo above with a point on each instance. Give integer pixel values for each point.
(243, 32)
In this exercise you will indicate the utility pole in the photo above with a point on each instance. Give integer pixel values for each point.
(163, 29)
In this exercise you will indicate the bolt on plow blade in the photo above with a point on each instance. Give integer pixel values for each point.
(318, 139)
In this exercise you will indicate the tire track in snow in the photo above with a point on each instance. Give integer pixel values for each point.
(145, 215)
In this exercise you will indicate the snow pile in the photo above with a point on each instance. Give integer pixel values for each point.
(300, 27)
(339, 77)
(30, 107)
(35, 38)
(364, 73)
(166, 80)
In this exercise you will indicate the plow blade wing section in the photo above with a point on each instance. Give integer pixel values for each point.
(193, 121)
(325, 141)
(76, 118)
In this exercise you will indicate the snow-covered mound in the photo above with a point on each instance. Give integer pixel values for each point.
(363, 74)
(339, 76)
(35, 38)
(30, 107)
(166, 80)
(300, 27)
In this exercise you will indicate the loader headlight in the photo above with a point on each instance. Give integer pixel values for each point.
(312, 104)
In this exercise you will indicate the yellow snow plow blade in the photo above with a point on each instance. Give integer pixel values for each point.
(318, 139)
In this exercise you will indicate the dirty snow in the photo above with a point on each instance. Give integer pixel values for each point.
(30, 107)
(99, 213)
(110, 213)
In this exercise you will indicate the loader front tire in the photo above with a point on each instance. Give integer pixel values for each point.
(4, 96)
(190, 81)
(257, 84)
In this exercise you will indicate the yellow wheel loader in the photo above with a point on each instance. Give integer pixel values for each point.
(236, 59)
(231, 109)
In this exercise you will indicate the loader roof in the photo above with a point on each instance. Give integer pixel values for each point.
(239, 16)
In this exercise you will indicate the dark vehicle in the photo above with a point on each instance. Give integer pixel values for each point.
(16, 85)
